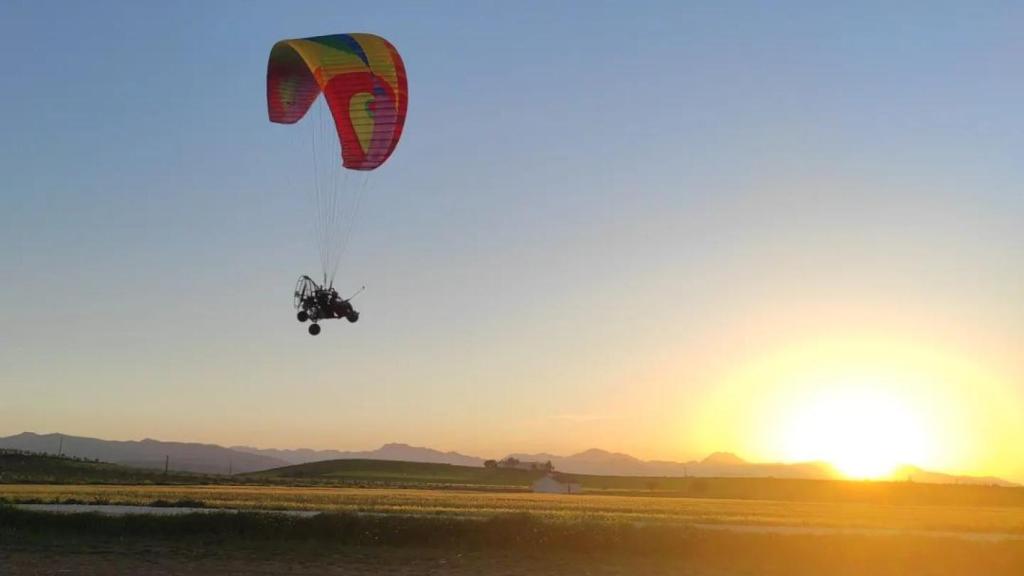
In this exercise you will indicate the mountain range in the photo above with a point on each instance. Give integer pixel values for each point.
(718, 464)
(148, 453)
(400, 452)
(211, 458)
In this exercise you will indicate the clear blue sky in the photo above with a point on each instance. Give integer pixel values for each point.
(596, 210)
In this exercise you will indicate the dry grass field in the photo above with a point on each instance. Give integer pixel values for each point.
(589, 508)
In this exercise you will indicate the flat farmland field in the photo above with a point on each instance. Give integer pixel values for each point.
(449, 532)
(556, 508)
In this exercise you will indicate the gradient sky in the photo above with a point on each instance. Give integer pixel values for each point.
(654, 229)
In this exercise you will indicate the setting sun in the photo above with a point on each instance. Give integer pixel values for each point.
(866, 403)
(862, 430)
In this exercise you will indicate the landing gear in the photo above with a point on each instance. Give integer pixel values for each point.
(315, 303)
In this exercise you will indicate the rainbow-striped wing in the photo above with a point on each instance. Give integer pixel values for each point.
(363, 80)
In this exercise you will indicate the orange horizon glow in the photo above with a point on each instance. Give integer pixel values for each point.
(864, 431)
(866, 405)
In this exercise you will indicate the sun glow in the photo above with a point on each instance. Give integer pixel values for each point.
(863, 430)
(866, 404)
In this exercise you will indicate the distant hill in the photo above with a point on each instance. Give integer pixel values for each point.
(184, 456)
(915, 474)
(17, 467)
(400, 452)
(401, 473)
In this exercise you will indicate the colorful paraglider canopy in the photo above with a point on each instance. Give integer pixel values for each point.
(362, 78)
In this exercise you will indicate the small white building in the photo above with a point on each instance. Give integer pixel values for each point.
(551, 485)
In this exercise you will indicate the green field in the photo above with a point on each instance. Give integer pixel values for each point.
(418, 475)
(39, 469)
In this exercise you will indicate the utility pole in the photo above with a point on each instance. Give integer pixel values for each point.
(167, 463)
(60, 447)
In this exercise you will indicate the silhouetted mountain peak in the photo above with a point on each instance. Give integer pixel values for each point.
(598, 455)
(724, 459)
